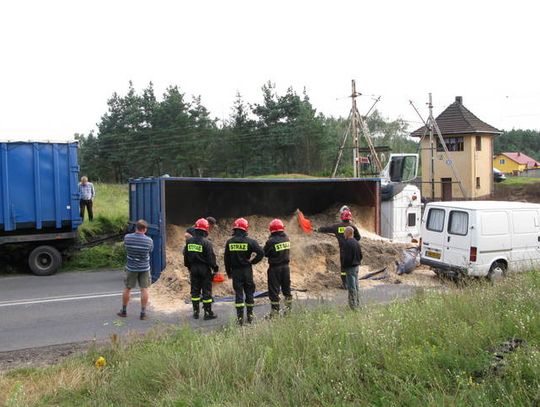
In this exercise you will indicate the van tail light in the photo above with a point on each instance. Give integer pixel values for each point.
(472, 256)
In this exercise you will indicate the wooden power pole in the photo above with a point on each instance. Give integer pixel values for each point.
(357, 124)
(354, 131)
(432, 129)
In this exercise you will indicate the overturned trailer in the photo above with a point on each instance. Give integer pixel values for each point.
(180, 201)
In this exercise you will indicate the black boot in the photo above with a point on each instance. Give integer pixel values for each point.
(274, 311)
(250, 314)
(195, 309)
(208, 314)
(288, 305)
(240, 315)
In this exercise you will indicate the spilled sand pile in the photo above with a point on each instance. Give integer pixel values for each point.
(314, 258)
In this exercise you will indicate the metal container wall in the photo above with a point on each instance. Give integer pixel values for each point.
(38, 187)
(146, 202)
(180, 201)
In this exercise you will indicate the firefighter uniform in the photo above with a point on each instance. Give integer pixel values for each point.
(277, 249)
(338, 231)
(200, 259)
(238, 265)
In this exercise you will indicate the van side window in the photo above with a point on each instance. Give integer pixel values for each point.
(411, 220)
(435, 220)
(458, 223)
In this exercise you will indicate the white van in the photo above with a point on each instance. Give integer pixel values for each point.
(480, 238)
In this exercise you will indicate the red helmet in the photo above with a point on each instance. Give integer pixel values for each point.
(276, 226)
(241, 224)
(202, 224)
(346, 215)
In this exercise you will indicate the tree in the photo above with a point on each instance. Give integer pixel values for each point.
(524, 141)
(141, 136)
(239, 148)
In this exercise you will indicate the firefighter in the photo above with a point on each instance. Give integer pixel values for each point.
(211, 222)
(239, 260)
(200, 260)
(338, 231)
(277, 249)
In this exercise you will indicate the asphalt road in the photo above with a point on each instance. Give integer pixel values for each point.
(78, 307)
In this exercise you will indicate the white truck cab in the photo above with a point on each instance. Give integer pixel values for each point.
(480, 238)
(401, 203)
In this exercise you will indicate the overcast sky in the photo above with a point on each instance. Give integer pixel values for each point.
(61, 60)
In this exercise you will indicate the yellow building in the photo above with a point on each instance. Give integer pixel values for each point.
(470, 144)
(514, 163)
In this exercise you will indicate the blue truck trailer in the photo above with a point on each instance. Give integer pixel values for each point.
(39, 201)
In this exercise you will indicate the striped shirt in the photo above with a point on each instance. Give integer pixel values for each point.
(87, 191)
(138, 249)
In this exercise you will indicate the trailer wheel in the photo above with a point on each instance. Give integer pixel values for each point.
(44, 260)
(496, 271)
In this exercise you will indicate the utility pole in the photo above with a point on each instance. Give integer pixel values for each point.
(431, 149)
(357, 123)
(354, 130)
(342, 147)
(431, 127)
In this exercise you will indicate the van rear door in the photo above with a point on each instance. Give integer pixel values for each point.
(433, 233)
(458, 238)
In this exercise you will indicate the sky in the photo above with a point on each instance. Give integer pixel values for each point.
(61, 60)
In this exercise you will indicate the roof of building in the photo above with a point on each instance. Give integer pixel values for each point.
(457, 119)
(523, 159)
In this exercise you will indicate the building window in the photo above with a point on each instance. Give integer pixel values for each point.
(477, 182)
(478, 143)
(502, 161)
(452, 144)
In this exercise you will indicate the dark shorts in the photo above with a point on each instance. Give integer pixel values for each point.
(131, 279)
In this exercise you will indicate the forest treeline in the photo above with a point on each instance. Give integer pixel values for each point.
(140, 136)
(524, 141)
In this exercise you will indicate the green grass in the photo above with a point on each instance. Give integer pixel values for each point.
(110, 217)
(97, 257)
(517, 181)
(283, 176)
(111, 211)
(433, 350)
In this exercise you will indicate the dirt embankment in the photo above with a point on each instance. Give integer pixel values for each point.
(521, 193)
(314, 258)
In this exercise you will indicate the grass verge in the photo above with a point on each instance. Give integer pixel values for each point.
(283, 176)
(110, 217)
(97, 257)
(111, 212)
(437, 349)
(518, 181)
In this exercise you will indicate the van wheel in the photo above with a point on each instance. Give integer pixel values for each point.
(44, 260)
(497, 271)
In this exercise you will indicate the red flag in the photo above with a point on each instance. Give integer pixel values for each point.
(304, 223)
